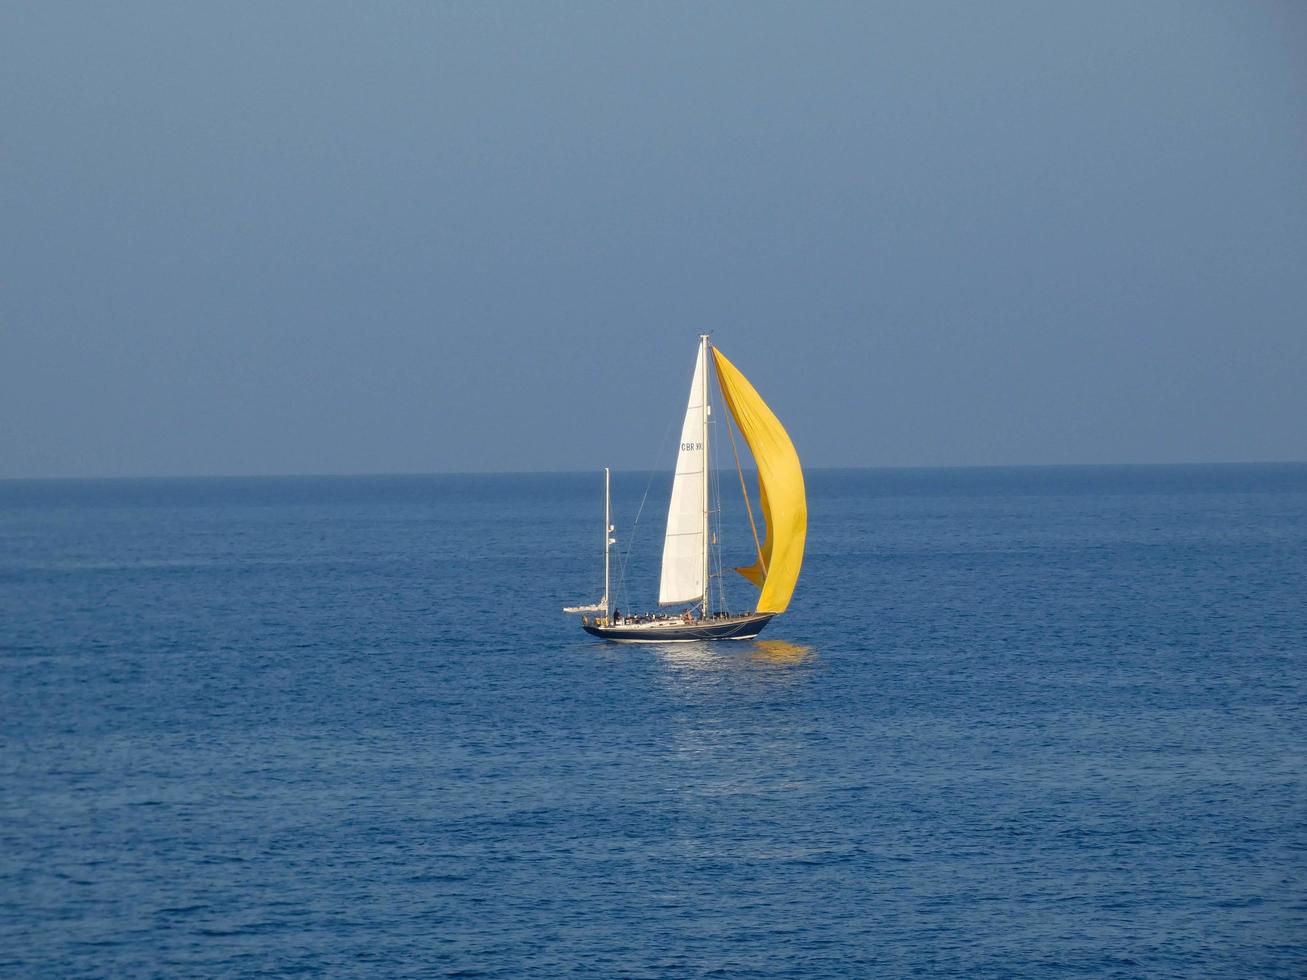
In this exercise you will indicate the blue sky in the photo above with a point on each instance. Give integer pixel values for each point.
(343, 238)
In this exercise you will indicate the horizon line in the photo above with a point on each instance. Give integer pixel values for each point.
(576, 472)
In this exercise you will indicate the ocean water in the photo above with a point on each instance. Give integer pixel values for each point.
(1025, 722)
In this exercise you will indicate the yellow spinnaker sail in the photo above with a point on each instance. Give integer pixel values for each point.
(780, 485)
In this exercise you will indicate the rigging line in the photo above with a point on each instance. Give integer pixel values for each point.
(723, 412)
(747, 505)
(714, 500)
(624, 557)
(717, 499)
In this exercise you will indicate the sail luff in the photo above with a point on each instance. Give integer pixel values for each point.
(780, 484)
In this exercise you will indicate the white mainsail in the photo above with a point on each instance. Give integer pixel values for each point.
(683, 547)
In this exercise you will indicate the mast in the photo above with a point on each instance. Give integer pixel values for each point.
(707, 580)
(608, 540)
(604, 605)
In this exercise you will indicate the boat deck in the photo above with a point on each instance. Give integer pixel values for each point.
(667, 630)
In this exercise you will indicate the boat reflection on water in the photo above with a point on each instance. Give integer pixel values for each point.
(690, 656)
(711, 656)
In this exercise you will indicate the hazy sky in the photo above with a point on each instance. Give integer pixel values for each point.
(341, 237)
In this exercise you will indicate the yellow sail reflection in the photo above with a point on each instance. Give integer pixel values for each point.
(780, 487)
(780, 652)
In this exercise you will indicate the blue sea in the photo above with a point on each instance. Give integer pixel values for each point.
(1037, 722)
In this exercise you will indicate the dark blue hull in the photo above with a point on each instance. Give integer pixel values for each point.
(734, 628)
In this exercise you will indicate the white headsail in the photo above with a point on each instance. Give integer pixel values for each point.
(683, 547)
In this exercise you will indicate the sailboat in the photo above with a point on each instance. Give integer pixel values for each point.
(687, 578)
